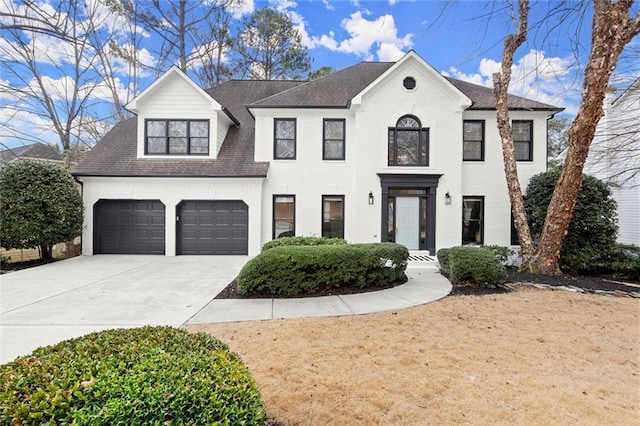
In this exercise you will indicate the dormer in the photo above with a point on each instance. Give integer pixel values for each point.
(177, 119)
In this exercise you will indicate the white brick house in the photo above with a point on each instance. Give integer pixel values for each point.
(375, 152)
(613, 157)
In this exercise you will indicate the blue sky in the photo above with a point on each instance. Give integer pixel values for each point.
(461, 39)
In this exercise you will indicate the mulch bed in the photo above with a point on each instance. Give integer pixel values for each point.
(17, 266)
(586, 283)
(513, 277)
(591, 284)
(231, 291)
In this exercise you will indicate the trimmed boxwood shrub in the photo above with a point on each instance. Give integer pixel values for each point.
(302, 241)
(289, 271)
(443, 260)
(475, 264)
(501, 253)
(149, 375)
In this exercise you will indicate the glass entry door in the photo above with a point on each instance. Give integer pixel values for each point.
(407, 226)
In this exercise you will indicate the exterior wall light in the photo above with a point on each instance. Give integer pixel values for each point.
(447, 198)
(370, 198)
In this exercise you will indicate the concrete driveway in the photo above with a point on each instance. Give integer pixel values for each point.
(46, 304)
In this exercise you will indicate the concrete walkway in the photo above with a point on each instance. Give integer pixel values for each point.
(50, 303)
(425, 285)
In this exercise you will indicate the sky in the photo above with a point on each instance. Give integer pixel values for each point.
(460, 39)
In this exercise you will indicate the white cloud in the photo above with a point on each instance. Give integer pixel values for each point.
(328, 5)
(145, 60)
(298, 21)
(533, 76)
(392, 2)
(19, 125)
(368, 39)
(241, 8)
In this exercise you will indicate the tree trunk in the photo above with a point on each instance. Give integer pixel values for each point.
(612, 29)
(182, 32)
(500, 85)
(46, 252)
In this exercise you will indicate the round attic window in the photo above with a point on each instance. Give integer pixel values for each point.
(409, 83)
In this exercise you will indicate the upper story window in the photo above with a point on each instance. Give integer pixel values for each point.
(408, 143)
(473, 140)
(284, 139)
(176, 137)
(409, 83)
(333, 143)
(523, 139)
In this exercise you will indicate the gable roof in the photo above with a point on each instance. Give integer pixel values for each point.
(173, 71)
(633, 88)
(483, 99)
(35, 151)
(116, 153)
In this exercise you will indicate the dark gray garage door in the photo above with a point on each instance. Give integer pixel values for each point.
(128, 227)
(212, 227)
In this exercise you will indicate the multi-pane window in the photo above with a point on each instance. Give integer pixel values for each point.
(515, 240)
(408, 143)
(523, 139)
(177, 137)
(333, 216)
(472, 220)
(473, 140)
(333, 139)
(284, 216)
(284, 145)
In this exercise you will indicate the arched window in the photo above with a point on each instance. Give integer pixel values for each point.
(408, 143)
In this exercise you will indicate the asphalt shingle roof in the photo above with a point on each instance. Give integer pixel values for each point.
(334, 90)
(35, 151)
(115, 154)
(483, 99)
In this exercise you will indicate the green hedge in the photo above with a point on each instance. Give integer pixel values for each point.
(289, 271)
(478, 265)
(149, 375)
(443, 260)
(302, 241)
(622, 261)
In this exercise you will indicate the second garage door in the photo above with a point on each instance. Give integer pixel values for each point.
(212, 227)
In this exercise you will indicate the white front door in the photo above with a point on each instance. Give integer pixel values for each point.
(408, 222)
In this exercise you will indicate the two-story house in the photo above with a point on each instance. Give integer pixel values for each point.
(613, 157)
(375, 152)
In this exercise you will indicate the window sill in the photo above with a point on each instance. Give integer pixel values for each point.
(179, 157)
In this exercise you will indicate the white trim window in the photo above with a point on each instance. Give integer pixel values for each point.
(176, 137)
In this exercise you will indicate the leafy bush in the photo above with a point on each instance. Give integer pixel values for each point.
(592, 231)
(289, 271)
(443, 260)
(621, 261)
(41, 206)
(302, 241)
(475, 264)
(149, 375)
(502, 253)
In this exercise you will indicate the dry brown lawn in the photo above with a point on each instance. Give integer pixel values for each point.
(531, 357)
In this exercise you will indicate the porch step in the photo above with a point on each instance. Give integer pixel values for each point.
(420, 258)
